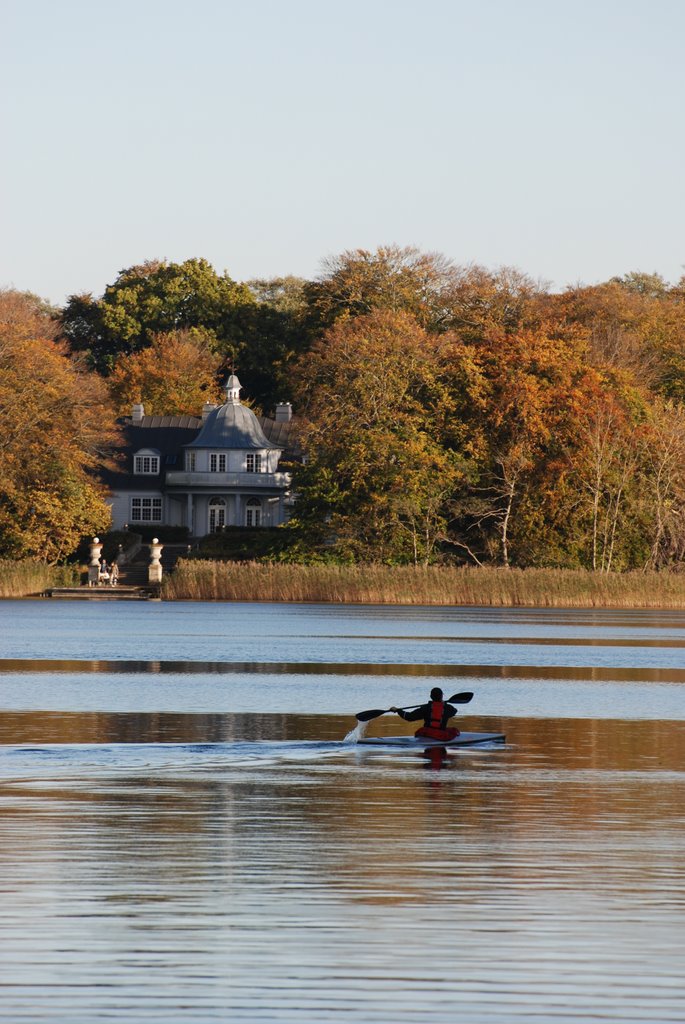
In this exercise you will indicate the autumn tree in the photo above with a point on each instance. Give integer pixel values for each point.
(440, 295)
(520, 399)
(606, 458)
(175, 374)
(55, 430)
(664, 477)
(635, 323)
(378, 481)
(393, 278)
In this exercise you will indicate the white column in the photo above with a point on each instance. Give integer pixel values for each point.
(94, 567)
(189, 515)
(154, 571)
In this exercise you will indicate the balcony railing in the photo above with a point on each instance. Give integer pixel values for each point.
(250, 481)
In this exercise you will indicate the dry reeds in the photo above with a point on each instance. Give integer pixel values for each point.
(28, 579)
(432, 585)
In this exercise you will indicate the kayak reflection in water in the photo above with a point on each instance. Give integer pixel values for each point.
(436, 758)
(435, 714)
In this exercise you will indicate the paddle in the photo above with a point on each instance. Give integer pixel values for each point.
(366, 716)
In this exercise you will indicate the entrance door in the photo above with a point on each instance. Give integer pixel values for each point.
(217, 514)
(253, 512)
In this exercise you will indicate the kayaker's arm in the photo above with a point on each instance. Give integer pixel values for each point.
(411, 716)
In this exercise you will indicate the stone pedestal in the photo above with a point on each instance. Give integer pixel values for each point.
(94, 566)
(154, 572)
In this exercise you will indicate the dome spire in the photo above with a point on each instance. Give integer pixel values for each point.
(233, 388)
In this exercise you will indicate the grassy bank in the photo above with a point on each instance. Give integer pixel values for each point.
(435, 585)
(24, 579)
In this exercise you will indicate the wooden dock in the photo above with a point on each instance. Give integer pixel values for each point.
(106, 593)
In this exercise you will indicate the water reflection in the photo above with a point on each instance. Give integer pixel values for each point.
(277, 874)
(606, 744)
(321, 668)
(436, 758)
(177, 845)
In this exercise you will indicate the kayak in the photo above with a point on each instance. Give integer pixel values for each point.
(464, 739)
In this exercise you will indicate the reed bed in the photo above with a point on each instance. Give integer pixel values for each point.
(28, 579)
(431, 585)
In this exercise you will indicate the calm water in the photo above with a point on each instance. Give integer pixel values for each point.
(185, 835)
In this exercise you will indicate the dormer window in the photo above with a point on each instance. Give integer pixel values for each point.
(146, 464)
(218, 462)
(254, 463)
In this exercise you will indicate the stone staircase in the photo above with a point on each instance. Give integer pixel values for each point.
(133, 580)
(134, 575)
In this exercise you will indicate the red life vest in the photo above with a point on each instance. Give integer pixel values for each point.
(435, 729)
(437, 711)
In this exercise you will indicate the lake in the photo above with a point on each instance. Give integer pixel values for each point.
(186, 834)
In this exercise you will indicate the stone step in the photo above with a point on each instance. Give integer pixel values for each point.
(133, 575)
(104, 593)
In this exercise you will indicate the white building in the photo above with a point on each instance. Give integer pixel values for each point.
(204, 474)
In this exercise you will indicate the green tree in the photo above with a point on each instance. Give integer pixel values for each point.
(157, 297)
(255, 328)
(273, 336)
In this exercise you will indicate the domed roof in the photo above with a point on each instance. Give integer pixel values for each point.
(232, 425)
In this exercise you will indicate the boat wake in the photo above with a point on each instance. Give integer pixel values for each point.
(356, 734)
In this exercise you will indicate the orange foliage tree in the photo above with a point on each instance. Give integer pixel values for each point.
(55, 430)
(176, 374)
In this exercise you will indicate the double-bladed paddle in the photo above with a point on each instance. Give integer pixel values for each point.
(366, 716)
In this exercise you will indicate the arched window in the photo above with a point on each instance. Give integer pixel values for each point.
(253, 512)
(217, 514)
(146, 462)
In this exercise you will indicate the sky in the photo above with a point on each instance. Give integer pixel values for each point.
(264, 137)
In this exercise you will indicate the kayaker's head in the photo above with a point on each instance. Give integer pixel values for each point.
(436, 693)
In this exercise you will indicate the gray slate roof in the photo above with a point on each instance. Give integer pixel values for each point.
(231, 426)
(169, 435)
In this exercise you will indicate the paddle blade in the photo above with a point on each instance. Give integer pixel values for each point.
(461, 698)
(366, 716)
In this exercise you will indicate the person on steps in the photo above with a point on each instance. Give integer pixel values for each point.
(435, 714)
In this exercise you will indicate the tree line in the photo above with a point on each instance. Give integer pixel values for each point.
(449, 413)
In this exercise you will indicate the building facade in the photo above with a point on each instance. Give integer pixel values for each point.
(205, 474)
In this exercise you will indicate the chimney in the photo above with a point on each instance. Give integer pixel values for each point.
(137, 412)
(284, 412)
(206, 409)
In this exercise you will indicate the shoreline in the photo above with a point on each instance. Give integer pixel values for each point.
(436, 586)
(391, 586)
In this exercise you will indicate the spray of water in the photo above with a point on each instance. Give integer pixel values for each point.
(356, 734)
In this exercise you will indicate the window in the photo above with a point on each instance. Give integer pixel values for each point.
(253, 512)
(146, 510)
(217, 462)
(190, 462)
(217, 515)
(254, 463)
(148, 464)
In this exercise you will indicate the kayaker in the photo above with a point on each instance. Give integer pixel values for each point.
(435, 714)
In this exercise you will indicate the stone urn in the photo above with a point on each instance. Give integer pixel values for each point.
(94, 566)
(154, 572)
